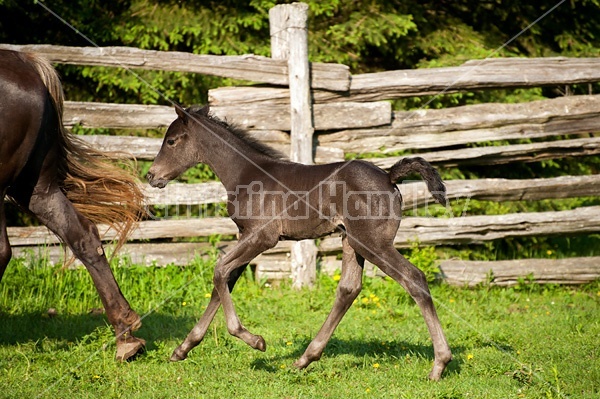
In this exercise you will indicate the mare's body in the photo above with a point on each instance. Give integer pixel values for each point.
(45, 170)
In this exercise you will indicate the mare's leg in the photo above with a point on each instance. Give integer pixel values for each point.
(199, 331)
(348, 289)
(392, 263)
(5, 252)
(55, 211)
(248, 247)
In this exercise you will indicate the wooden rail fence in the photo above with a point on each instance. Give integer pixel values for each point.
(352, 116)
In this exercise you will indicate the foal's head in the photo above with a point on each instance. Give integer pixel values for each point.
(179, 150)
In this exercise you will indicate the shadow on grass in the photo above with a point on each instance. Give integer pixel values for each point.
(359, 349)
(34, 326)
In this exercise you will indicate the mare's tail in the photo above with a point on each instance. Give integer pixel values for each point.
(406, 166)
(98, 188)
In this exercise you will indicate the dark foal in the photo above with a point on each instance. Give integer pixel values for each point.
(271, 199)
(48, 172)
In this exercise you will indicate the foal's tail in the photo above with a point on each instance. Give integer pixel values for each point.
(98, 188)
(406, 166)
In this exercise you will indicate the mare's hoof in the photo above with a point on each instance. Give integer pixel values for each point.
(260, 344)
(177, 356)
(127, 349)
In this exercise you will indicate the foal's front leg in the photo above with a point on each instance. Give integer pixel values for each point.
(199, 331)
(241, 254)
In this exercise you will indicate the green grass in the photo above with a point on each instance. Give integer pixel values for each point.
(523, 342)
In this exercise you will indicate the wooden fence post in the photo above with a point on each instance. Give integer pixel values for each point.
(289, 40)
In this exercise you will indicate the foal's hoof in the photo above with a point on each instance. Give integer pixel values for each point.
(438, 369)
(178, 356)
(260, 344)
(302, 363)
(435, 375)
(128, 348)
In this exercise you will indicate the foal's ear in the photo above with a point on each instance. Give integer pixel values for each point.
(181, 113)
(204, 110)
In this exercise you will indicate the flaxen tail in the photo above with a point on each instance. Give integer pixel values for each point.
(406, 166)
(98, 188)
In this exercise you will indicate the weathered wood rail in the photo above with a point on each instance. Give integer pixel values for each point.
(143, 148)
(127, 116)
(492, 73)
(146, 148)
(426, 230)
(245, 67)
(510, 272)
(496, 155)
(275, 263)
(438, 128)
(414, 194)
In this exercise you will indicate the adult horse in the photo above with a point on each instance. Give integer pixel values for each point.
(271, 199)
(68, 186)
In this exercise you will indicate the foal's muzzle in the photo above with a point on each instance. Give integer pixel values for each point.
(160, 183)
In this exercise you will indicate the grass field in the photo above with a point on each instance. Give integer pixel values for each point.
(523, 342)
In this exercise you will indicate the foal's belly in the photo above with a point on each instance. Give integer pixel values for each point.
(307, 228)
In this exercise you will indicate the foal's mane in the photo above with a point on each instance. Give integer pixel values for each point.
(244, 135)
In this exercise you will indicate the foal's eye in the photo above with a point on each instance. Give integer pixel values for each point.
(170, 142)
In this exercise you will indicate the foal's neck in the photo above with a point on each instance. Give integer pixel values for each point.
(229, 155)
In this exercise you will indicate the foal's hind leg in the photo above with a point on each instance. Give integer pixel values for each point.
(58, 214)
(199, 331)
(392, 263)
(348, 289)
(5, 252)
